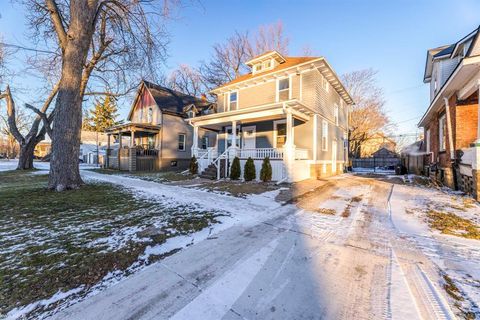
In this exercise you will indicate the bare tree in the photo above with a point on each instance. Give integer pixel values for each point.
(97, 41)
(368, 115)
(228, 58)
(188, 80)
(17, 127)
(23, 121)
(270, 37)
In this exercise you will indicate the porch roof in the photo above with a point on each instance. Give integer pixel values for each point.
(135, 127)
(263, 112)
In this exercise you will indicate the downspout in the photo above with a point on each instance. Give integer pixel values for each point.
(161, 141)
(450, 142)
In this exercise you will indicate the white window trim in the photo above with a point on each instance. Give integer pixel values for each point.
(277, 91)
(427, 140)
(228, 100)
(239, 128)
(336, 114)
(275, 123)
(325, 84)
(245, 129)
(184, 141)
(324, 125)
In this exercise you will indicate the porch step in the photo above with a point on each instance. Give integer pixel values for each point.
(211, 171)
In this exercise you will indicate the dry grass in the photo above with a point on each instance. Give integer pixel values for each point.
(347, 211)
(449, 223)
(239, 189)
(328, 211)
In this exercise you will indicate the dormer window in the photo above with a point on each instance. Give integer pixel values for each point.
(257, 68)
(267, 64)
(191, 114)
(150, 115)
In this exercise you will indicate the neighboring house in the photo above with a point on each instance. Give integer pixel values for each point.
(293, 110)
(42, 149)
(159, 137)
(376, 142)
(451, 122)
(89, 140)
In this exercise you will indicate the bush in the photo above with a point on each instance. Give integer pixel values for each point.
(249, 170)
(193, 165)
(235, 171)
(266, 172)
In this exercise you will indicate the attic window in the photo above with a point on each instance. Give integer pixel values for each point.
(257, 68)
(191, 114)
(267, 64)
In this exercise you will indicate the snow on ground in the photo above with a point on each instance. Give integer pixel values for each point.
(457, 256)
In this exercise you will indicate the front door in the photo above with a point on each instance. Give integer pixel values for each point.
(249, 135)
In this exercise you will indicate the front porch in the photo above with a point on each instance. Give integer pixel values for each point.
(257, 133)
(141, 152)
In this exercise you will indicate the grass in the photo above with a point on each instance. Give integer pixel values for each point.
(157, 176)
(328, 211)
(239, 189)
(449, 223)
(59, 241)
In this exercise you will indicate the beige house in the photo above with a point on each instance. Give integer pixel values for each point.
(292, 109)
(157, 135)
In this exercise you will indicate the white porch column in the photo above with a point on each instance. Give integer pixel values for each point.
(289, 148)
(195, 140)
(234, 137)
(132, 138)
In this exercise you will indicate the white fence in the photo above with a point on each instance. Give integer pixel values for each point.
(261, 153)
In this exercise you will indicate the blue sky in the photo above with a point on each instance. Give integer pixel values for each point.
(389, 36)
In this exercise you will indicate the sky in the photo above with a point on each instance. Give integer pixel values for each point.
(389, 36)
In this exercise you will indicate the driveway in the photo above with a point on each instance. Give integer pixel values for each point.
(335, 253)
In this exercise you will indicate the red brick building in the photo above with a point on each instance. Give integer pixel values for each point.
(451, 122)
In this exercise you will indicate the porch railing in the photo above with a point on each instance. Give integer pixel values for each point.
(261, 153)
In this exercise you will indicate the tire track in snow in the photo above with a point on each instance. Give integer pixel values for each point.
(428, 300)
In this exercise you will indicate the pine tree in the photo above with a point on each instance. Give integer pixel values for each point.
(102, 116)
(266, 172)
(235, 171)
(249, 170)
(193, 165)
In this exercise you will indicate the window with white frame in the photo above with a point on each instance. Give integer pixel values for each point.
(324, 135)
(181, 142)
(280, 129)
(325, 84)
(205, 142)
(150, 115)
(232, 101)
(283, 89)
(267, 64)
(257, 68)
(335, 114)
(441, 133)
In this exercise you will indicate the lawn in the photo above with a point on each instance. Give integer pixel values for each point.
(52, 243)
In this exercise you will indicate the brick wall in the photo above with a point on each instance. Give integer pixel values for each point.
(466, 122)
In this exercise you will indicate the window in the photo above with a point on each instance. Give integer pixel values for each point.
(283, 89)
(191, 114)
(325, 84)
(267, 64)
(205, 141)
(335, 114)
(280, 134)
(230, 137)
(441, 133)
(233, 101)
(427, 140)
(181, 142)
(150, 115)
(324, 135)
(257, 68)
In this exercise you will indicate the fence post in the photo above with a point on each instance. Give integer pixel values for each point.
(132, 160)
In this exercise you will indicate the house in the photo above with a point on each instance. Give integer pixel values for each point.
(451, 122)
(293, 110)
(158, 135)
(376, 142)
(42, 149)
(90, 143)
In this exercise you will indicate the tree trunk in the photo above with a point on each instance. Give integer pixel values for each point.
(64, 163)
(25, 159)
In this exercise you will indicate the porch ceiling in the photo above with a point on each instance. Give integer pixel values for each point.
(138, 128)
(271, 111)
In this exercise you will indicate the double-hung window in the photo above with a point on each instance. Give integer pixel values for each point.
(283, 89)
(441, 133)
(181, 142)
(205, 142)
(325, 84)
(335, 114)
(324, 135)
(232, 101)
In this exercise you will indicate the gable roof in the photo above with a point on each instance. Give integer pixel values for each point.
(168, 100)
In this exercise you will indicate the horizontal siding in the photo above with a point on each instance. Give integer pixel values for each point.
(254, 96)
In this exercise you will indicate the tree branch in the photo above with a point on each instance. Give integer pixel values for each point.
(57, 21)
(11, 115)
(46, 122)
